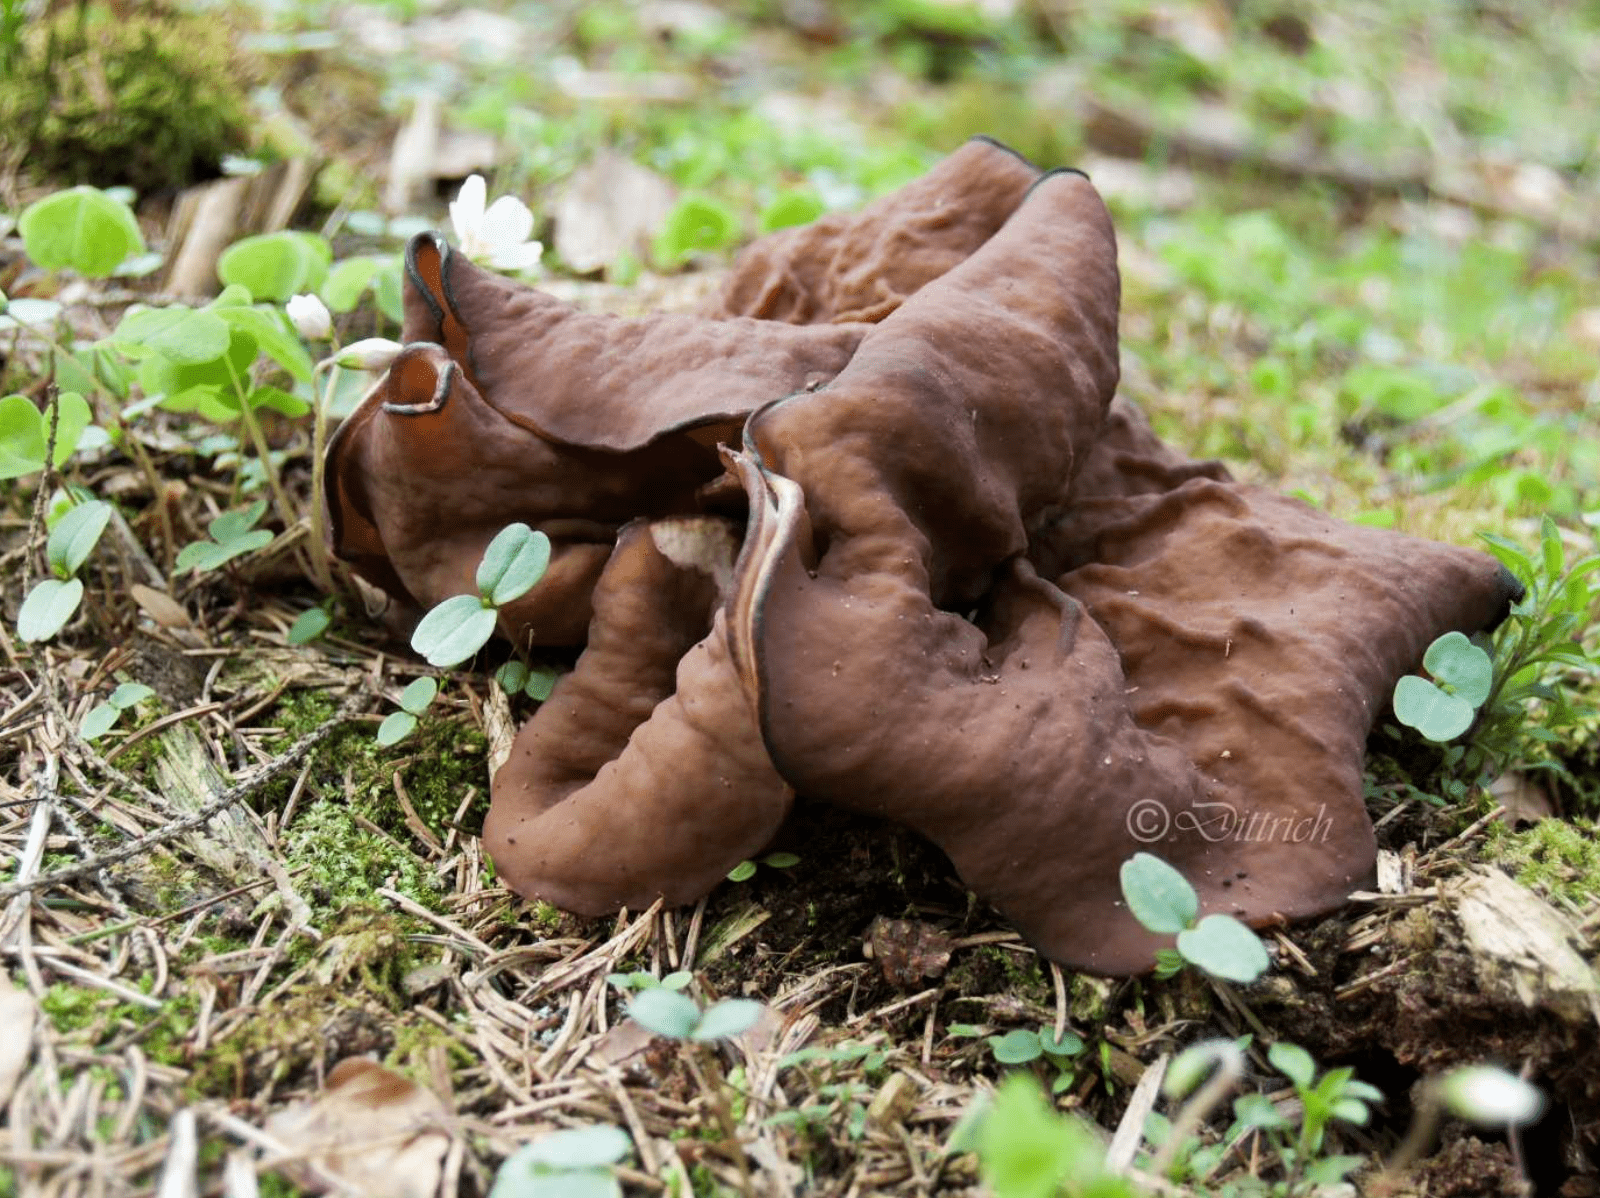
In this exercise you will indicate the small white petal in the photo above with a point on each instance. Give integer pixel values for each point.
(1490, 1096)
(374, 353)
(466, 210)
(310, 317)
(507, 223)
(518, 257)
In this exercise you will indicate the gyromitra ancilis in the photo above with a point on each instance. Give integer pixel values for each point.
(871, 529)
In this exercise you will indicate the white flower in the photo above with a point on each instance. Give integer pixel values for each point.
(498, 235)
(309, 315)
(1490, 1096)
(374, 353)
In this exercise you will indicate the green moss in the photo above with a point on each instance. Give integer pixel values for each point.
(443, 759)
(349, 1005)
(346, 864)
(1557, 856)
(150, 97)
(414, 1040)
(90, 1017)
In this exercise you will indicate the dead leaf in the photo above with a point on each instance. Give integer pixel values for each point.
(1524, 799)
(611, 206)
(160, 607)
(17, 1010)
(621, 1043)
(908, 950)
(371, 1128)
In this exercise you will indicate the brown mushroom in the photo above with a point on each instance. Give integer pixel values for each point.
(973, 594)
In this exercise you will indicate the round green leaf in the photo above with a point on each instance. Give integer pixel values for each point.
(1016, 1047)
(1070, 1044)
(275, 266)
(82, 229)
(48, 607)
(454, 630)
(515, 560)
(129, 693)
(665, 1012)
(1420, 704)
(677, 980)
(727, 1018)
(309, 625)
(1159, 896)
(99, 721)
(230, 526)
(541, 681)
(780, 860)
(201, 555)
(1294, 1062)
(416, 697)
(181, 335)
(579, 1148)
(21, 437)
(396, 726)
(1224, 948)
(521, 1178)
(742, 872)
(1456, 660)
(73, 538)
(512, 677)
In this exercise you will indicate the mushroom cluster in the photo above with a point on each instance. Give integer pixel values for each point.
(871, 528)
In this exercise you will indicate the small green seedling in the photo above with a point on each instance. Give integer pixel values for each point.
(1336, 1095)
(457, 628)
(103, 716)
(1020, 1046)
(746, 870)
(576, 1163)
(1162, 900)
(1297, 1144)
(640, 980)
(232, 534)
(678, 1017)
(414, 700)
(1444, 708)
(52, 602)
(536, 682)
(24, 432)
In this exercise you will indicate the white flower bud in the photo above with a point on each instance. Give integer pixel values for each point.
(310, 317)
(373, 353)
(1490, 1097)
